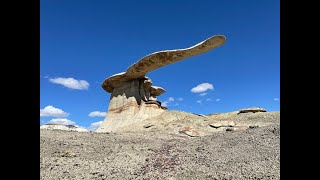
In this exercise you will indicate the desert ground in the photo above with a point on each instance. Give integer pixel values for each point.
(176, 145)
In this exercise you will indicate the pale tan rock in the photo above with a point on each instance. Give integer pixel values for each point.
(253, 110)
(156, 90)
(126, 107)
(160, 59)
(190, 131)
(133, 97)
(219, 124)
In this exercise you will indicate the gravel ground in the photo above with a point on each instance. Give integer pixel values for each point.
(253, 153)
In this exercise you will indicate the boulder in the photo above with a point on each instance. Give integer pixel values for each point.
(219, 124)
(253, 110)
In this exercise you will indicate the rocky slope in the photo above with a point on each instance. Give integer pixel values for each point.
(174, 145)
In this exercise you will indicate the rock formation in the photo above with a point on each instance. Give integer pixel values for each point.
(133, 97)
(253, 110)
(63, 127)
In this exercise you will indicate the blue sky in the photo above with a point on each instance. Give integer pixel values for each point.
(88, 41)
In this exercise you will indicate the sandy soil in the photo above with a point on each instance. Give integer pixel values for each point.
(252, 153)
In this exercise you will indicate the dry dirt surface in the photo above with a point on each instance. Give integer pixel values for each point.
(166, 153)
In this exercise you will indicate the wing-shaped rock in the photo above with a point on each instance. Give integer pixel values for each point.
(159, 59)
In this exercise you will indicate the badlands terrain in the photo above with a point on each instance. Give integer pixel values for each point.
(174, 145)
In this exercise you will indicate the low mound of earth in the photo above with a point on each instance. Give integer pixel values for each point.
(63, 127)
(174, 145)
(179, 122)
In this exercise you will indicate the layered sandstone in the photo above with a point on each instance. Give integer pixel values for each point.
(133, 98)
(132, 102)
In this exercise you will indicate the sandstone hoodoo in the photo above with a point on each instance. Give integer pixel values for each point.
(133, 96)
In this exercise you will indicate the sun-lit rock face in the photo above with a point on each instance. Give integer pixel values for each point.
(130, 103)
(133, 98)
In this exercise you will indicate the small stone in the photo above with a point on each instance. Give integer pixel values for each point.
(68, 153)
(148, 125)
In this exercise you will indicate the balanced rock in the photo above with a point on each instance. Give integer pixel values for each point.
(133, 98)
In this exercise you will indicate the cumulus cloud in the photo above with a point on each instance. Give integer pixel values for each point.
(71, 83)
(94, 126)
(52, 111)
(62, 121)
(180, 99)
(97, 114)
(218, 99)
(202, 94)
(202, 88)
(276, 99)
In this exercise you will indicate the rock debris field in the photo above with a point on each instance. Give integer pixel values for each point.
(174, 145)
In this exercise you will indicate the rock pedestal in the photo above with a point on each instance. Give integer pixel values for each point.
(131, 102)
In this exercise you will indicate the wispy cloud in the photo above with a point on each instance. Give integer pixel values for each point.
(97, 114)
(94, 126)
(276, 99)
(180, 99)
(167, 102)
(52, 111)
(199, 101)
(62, 121)
(218, 99)
(208, 99)
(164, 103)
(202, 88)
(202, 94)
(71, 83)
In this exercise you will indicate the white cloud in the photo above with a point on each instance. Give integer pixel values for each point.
(164, 103)
(167, 102)
(63, 121)
(218, 99)
(208, 99)
(276, 99)
(202, 88)
(71, 83)
(199, 101)
(52, 111)
(94, 126)
(202, 94)
(97, 114)
(180, 99)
